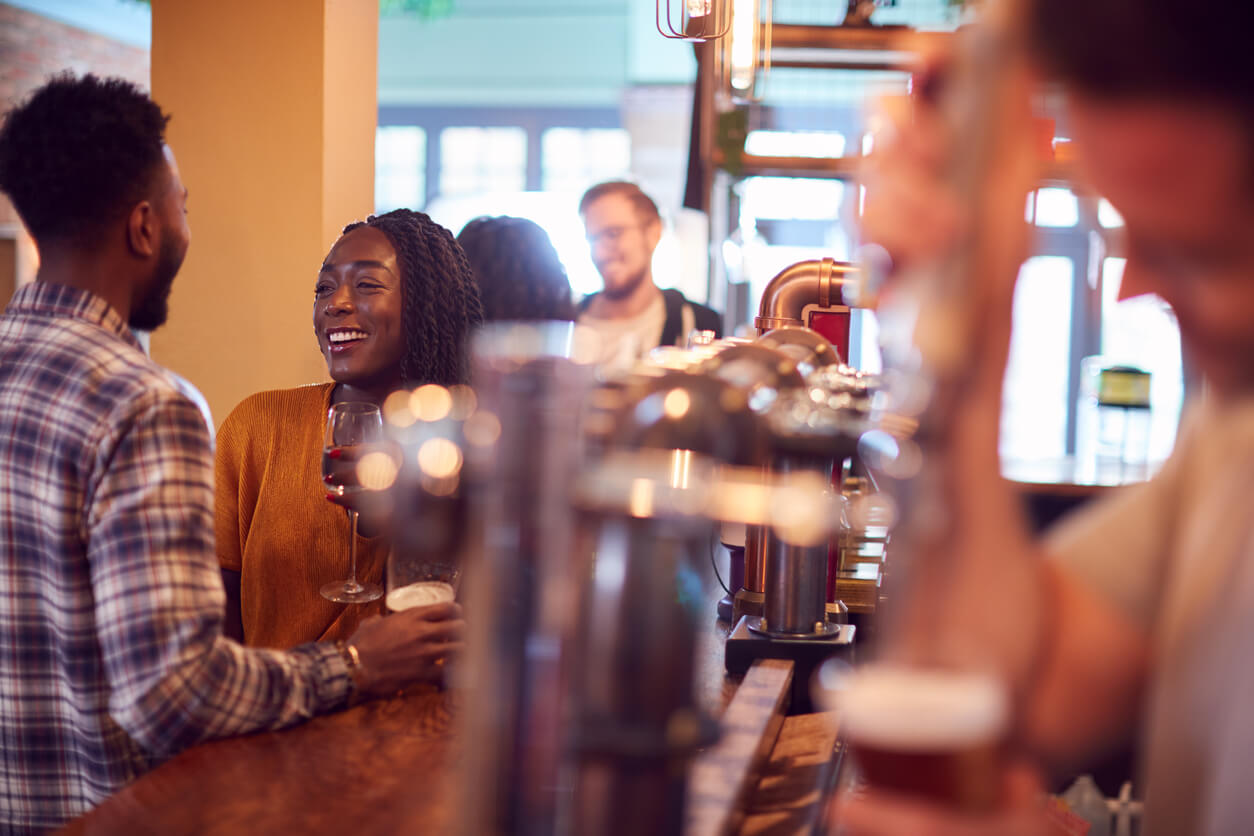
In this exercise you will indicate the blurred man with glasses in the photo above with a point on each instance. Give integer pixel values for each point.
(631, 313)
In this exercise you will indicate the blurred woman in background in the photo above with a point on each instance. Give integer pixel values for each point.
(519, 274)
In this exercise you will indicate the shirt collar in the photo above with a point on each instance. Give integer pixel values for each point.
(61, 300)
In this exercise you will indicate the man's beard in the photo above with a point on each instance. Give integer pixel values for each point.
(152, 310)
(622, 291)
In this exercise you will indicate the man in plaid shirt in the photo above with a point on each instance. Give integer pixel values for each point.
(111, 649)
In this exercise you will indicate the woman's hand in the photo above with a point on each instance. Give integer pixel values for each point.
(407, 647)
(373, 507)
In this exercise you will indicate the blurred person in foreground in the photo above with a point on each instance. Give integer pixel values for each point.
(394, 304)
(112, 656)
(630, 313)
(519, 274)
(1136, 617)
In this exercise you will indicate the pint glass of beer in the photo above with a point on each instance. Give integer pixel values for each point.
(927, 732)
(413, 583)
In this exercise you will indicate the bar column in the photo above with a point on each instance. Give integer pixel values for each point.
(274, 109)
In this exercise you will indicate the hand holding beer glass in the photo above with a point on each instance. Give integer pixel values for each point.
(420, 583)
(964, 620)
(929, 732)
(931, 747)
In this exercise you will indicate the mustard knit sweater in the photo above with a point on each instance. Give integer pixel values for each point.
(275, 527)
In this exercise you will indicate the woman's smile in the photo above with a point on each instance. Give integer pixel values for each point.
(343, 339)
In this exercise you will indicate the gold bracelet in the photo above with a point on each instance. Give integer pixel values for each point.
(352, 661)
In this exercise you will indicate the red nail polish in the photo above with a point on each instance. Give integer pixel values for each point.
(335, 452)
(327, 478)
(330, 497)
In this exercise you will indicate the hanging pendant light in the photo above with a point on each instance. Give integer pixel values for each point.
(698, 20)
(748, 50)
(742, 30)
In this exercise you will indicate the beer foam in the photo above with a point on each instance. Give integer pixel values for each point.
(915, 709)
(421, 594)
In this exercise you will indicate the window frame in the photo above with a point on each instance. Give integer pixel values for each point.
(534, 121)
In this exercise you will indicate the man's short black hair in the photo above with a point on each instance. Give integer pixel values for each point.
(1148, 48)
(79, 153)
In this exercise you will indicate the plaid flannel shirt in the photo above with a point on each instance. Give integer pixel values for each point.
(111, 649)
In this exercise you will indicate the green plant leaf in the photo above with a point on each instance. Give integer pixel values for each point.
(730, 133)
(425, 9)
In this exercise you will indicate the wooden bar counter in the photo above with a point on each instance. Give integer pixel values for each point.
(391, 766)
(383, 767)
(1052, 488)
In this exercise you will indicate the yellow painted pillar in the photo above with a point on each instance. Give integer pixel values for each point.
(274, 109)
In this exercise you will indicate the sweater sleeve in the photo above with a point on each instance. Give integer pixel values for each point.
(232, 444)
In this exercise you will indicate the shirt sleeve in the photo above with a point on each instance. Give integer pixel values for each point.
(174, 679)
(1119, 546)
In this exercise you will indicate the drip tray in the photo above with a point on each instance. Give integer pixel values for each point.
(745, 646)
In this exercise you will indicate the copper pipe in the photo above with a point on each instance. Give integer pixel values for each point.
(749, 598)
(815, 282)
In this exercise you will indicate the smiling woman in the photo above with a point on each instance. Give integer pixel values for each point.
(357, 315)
(394, 303)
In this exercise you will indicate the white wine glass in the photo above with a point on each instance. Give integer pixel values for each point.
(350, 424)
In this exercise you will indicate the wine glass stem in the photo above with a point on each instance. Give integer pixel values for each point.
(352, 551)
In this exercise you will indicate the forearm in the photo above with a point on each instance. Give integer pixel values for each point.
(1085, 692)
(215, 688)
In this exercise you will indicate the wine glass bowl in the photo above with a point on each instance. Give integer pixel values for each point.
(350, 426)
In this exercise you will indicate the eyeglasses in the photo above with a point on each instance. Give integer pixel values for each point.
(611, 234)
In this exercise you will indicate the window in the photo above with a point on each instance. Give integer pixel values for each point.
(1035, 398)
(479, 160)
(792, 198)
(1056, 208)
(1066, 309)
(764, 143)
(572, 159)
(1142, 332)
(1108, 216)
(400, 157)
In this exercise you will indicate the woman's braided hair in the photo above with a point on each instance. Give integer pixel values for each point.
(440, 302)
(519, 273)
